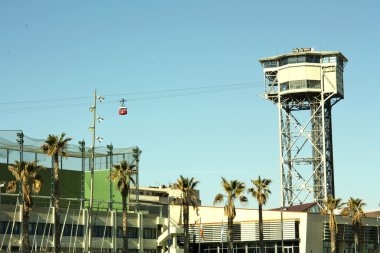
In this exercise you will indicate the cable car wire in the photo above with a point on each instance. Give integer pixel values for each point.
(139, 96)
(131, 93)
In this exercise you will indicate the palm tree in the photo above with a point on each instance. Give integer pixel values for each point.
(55, 146)
(356, 212)
(189, 198)
(234, 190)
(122, 175)
(260, 192)
(26, 174)
(331, 205)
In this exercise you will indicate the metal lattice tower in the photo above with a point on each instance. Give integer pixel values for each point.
(304, 85)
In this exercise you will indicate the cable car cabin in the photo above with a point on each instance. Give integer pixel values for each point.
(122, 110)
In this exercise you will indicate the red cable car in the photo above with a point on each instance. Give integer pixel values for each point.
(122, 108)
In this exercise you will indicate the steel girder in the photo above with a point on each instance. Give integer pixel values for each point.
(306, 152)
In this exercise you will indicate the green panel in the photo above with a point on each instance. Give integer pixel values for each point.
(69, 184)
(70, 187)
(101, 190)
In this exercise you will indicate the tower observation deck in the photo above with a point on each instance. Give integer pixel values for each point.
(305, 84)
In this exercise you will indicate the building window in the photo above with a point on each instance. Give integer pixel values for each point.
(150, 233)
(66, 230)
(284, 86)
(6, 227)
(313, 58)
(283, 61)
(329, 59)
(292, 59)
(313, 84)
(131, 233)
(120, 250)
(298, 59)
(270, 64)
(298, 84)
(44, 229)
(301, 58)
(326, 247)
(100, 231)
(78, 230)
(149, 251)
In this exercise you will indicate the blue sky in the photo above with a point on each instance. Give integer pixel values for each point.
(53, 50)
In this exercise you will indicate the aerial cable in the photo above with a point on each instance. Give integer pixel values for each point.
(55, 100)
(174, 93)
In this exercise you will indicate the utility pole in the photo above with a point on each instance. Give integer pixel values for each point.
(110, 154)
(92, 167)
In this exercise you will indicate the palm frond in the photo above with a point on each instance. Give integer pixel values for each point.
(260, 190)
(243, 199)
(55, 145)
(11, 186)
(226, 185)
(37, 184)
(15, 170)
(218, 198)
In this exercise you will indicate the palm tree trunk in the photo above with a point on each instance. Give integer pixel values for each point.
(230, 235)
(125, 228)
(261, 228)
(356, 241)
(186, 226)
(333, 241)
(25, 219)
(57, 216)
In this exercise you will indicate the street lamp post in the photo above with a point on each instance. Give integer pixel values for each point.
(282, 230)
(282, 227)
(2, 184)
(378, 236)
(169, 236)
(94, 137)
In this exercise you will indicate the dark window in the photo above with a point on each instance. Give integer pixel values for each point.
(292, 59)
(100, 231)
(78, 230)
(313, 58)
(150, 233)
(297, 84)
(270, 64)
(120, 250)
(149, 251)
(131, 232)
(66, 230)
(39, 228)
(329, 59)
(313, 84)
(44, 228)
(340, 63)
(301, 58)
(297, 59)
(6, 227)
(284, 86)
(32, 228)
(283, 61)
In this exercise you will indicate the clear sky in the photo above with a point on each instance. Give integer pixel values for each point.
(66, 49)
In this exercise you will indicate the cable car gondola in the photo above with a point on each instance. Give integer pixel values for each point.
(122, 108)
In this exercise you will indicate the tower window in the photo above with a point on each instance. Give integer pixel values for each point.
(329, 59)
(270, 64)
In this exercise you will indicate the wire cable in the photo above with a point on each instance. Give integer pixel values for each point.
(132, 93)
(132, 96)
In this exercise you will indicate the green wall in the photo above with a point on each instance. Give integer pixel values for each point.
(70, 187)
(101, 189)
